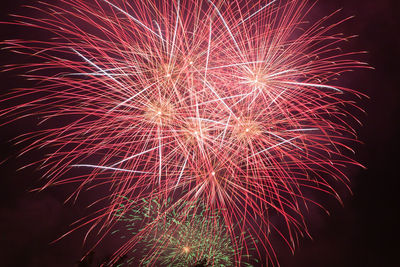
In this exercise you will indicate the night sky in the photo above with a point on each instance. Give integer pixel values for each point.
(362, 233)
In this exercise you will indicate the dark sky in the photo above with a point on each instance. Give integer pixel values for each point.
(362, 233)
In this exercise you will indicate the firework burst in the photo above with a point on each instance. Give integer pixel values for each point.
(230, 104)
(179, 237)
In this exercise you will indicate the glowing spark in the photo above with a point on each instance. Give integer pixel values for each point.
(186, 249)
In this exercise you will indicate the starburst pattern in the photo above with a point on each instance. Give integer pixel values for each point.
(230, 103)
(188, 237)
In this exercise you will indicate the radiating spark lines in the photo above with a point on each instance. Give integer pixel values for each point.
(230, 104)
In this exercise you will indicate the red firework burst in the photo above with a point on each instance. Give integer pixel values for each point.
(227, 102)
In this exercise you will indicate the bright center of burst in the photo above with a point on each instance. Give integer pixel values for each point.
(159, 113)
(247, 130)
(186, 249)
(213, 173)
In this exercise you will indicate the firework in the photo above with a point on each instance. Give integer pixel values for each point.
(190, 237)
(233, 104)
